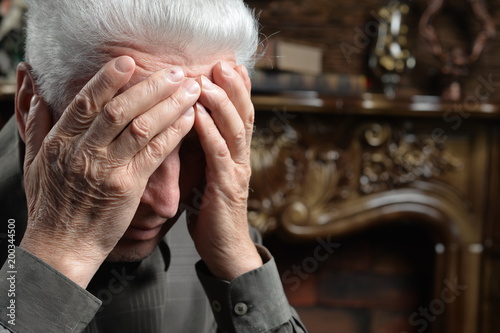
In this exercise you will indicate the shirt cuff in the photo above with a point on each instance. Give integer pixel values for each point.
(41, 299)
(253, 302)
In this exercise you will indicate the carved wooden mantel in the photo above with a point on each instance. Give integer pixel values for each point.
(326, 166)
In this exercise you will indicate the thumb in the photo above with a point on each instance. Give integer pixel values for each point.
(38, 125)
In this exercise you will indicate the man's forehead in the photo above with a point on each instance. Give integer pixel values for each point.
(150, 62)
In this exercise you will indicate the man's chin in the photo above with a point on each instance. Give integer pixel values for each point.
(137, 244)
(132, 250)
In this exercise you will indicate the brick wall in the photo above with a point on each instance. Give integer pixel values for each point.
(369, 283)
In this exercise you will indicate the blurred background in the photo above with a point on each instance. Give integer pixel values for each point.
(375, 159)
(375, 162)
(11, 53)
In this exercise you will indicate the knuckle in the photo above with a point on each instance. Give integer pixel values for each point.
(242, 195)
(114, 112)
(221, 149)
(240, 137)
(248, 171)
(140, 129)
(155, 149)
(155, 84)
(83, 104)
(244, 173)
(175, 102)
(176, 131)
(239, 192)
(118, 184)
(52, 150)
(249, 119)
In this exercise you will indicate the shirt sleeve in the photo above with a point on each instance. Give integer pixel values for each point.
(38, 298)
(3, 329)
(253, 302)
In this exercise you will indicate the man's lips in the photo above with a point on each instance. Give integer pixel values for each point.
(142, 233)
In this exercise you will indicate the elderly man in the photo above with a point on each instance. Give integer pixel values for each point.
(136, 118)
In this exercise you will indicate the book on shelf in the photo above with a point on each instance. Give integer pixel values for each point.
(291, 56)
(270, 82)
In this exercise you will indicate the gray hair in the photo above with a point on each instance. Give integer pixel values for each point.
(66, 39)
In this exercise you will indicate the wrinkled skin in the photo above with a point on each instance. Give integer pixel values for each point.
(89, 176)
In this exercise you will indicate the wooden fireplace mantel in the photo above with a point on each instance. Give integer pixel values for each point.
(376, 104)
(336, 166)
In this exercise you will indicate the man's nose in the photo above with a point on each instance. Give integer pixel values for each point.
(162, 191)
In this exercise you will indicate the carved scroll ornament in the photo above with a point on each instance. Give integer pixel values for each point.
(305, 174)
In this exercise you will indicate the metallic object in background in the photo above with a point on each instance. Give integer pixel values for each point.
(391, 56)
(455, 62)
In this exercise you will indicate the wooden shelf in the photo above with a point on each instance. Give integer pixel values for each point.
(374, 104)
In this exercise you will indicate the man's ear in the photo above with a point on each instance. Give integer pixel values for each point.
(25, 90)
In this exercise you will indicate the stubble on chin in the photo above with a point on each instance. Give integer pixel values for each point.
(129, 255)
(134, 251)
(127, 250)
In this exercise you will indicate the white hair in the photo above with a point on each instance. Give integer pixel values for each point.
(67, 39)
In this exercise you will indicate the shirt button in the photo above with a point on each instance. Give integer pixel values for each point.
(216, 306)
(241, 309)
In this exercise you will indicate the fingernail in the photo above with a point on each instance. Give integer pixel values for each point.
(206, 83)
(34, 100)
(226, 69)
(245, 71)
(202, 110)
(124, 64)
(175, 74)
(189, 112)
(192, 87)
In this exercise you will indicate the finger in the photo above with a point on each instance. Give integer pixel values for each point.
(95, 94)
(38, 125)
(226, 118)
(145, 127)
(134, 101)
(243, 72)
(236, 89)
(155, 152)
(217, 154)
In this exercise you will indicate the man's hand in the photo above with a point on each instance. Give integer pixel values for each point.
(220, 230)
(84, 181)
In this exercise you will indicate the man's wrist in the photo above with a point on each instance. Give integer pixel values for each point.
(71, 263)
(237, 263)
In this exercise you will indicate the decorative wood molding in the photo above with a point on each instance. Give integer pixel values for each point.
(320, 175)
(392, 158)
(313, 174)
